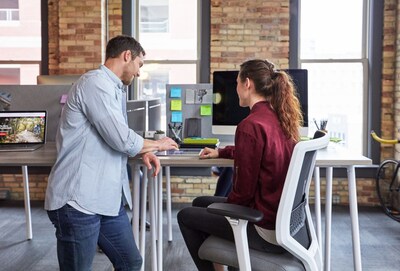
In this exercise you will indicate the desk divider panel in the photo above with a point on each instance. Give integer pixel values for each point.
(191, 101)
(37, 97)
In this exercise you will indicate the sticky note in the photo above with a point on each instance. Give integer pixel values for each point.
(205, 110)
(176, 92)
(176, 105)
(176, 116)
(63, 99)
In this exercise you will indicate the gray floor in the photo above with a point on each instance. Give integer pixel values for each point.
(380, 242)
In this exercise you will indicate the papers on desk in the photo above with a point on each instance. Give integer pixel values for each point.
(200, 142)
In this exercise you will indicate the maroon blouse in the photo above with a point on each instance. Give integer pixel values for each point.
(261, 159)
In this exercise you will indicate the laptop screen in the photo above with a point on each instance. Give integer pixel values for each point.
(22, 127)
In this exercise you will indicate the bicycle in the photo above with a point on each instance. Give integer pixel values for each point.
(388, 182)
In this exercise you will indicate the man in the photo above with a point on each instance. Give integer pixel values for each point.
(88, 186)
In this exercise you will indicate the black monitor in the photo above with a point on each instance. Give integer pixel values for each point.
(227, 112)
(300, 80)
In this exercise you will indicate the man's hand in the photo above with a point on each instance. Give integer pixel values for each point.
(150, 160)
(208, 153)
(166, 144)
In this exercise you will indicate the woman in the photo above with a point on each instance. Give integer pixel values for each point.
(264, 143)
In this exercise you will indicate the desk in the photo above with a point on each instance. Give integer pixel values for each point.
(44, 156)
(333, 156)
(336, 156)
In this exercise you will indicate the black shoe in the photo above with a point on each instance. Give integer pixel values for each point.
(147, 225)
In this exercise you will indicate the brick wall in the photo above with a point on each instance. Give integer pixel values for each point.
(389, 67)
(239, 30)
(242, 30)
(76, 36)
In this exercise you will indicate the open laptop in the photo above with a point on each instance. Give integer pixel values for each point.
(22, 130)
(180, 152)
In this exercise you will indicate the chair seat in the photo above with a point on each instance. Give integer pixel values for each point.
(223, 251)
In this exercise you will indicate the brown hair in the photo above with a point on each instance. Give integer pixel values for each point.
(121, 43)
(278, 88)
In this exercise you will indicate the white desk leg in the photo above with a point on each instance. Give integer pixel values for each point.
(135, 202)
(143, 200)
(351, 175)
(28, 216)
(328, 218)
(168, 188)
(160, 220)
(152, 211)
(317, 186)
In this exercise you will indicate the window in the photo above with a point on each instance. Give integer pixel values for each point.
(20, 41)
(172, 50)
(9, 10)
(333, 50)
(154, 18)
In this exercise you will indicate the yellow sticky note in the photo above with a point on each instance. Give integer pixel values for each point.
(176, 105)
(205, 110)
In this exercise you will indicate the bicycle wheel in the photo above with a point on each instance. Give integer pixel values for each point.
(387, 187)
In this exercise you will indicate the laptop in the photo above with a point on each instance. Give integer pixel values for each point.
(22, 130)
(181, 152)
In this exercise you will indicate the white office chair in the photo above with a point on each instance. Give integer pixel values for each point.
(294, 228)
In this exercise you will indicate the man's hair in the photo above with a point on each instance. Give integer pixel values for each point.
(121, 43)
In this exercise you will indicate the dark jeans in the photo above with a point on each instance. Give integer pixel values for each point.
(224, 183)
(196, 224)
(78, 235)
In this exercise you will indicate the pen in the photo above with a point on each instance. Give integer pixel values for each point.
(315, 122)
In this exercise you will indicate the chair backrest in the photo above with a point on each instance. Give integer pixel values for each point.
(294, 228)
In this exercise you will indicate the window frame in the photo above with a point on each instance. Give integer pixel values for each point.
(372, 61)
(130, 26)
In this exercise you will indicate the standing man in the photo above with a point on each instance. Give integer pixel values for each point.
(88, 186)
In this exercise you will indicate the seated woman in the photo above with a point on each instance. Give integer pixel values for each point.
(264, 143)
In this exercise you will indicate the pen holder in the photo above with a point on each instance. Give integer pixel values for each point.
(319, 133)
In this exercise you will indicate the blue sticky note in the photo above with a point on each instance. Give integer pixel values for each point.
(176, 92)
(176, 116)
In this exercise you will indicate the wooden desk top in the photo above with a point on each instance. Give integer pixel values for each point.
(334, 155)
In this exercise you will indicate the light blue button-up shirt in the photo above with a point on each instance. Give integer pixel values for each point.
(93, 143)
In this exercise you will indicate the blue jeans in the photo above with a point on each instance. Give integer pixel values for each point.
(78, 235)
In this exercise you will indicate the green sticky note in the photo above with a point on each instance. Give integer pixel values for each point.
(176, 105)
(205, 110)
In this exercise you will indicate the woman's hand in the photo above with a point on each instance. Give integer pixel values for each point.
(208, 153)
(150, 158)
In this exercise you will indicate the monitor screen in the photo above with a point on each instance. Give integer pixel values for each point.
(300, 80)
(226, 110)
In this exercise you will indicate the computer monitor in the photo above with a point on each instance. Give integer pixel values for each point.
(300, 80)
(136, 112)
(227, 112)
